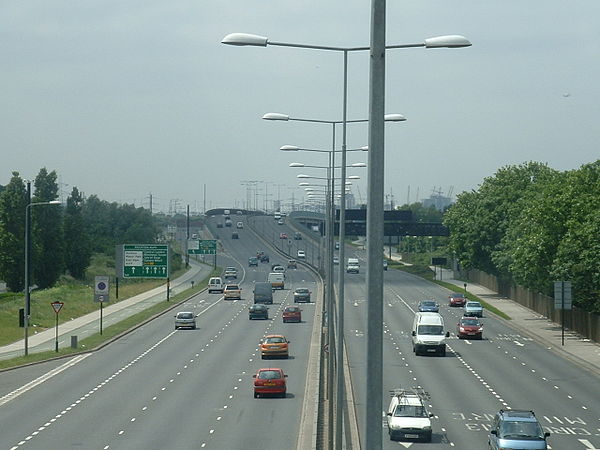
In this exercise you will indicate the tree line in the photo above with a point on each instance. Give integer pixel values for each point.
(63, 237)
(533, 225)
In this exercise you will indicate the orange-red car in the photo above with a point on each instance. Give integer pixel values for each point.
(274, 345)
(292, 314)
(270, 381)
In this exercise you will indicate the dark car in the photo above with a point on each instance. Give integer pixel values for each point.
(292, 264)
(302, 295)
(469, 327)
(297, 236)
(456, 299)
(219, 224)
(258, 312)
(235, 235)
(292, 314)
(253, 261)
(264, 258)
(429, 306)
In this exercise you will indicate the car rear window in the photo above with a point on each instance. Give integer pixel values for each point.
(185, 316)
(302, 291)
(269, 375)
(274, 340)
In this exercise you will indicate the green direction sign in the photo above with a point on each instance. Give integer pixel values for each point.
(145, 261)
(202, 247)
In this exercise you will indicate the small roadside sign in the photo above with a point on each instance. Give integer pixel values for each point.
(562, 295)
(57, 306)
(101, 285)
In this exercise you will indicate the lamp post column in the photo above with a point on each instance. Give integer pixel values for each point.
(340, 306)
(374, 404)
(27, 268)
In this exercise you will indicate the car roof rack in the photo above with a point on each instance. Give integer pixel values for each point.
(415, 391)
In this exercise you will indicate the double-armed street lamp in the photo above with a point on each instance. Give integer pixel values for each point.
(375, 181)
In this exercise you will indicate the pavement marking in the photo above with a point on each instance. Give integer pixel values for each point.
(14, 394)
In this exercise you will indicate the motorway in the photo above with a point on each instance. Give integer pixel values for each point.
(475, 379)
(158, 388)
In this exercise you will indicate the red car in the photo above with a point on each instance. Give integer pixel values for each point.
(457, 299)
(469, 327)
(292, 314)
(270, 382)
(283, 236)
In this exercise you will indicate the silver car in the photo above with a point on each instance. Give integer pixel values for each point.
(473, 309)
(185, 319)
(517, 429)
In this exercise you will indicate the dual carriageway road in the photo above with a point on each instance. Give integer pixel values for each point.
(160, 388)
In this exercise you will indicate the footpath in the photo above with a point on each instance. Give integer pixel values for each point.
(577, 349)
(87, 325)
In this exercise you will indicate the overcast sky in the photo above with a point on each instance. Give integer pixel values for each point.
(128, 98)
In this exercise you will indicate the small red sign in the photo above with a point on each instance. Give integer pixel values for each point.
(57, 306)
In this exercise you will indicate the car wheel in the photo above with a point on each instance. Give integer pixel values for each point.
(194, 327)
(255, 395)
(283, 394)
(262, 356)
(442, 353)
(427, 437)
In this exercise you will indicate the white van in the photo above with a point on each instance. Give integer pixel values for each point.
(277, 280)
(428, 334)
(215, 284)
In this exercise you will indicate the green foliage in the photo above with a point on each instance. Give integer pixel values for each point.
(110, 224)
(47, 232)
(533, 225)
(479, 220)
(13, 201)
(77, 240)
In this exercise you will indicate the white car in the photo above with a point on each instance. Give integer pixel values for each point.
(230, 272)
(336, 260)
(407, 416)
(301, 254)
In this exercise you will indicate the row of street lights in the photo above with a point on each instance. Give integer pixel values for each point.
(373, 438)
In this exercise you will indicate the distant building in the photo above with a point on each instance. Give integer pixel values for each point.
(350, 201)
(438, 201)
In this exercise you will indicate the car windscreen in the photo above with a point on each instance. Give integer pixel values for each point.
(470, 322)
(432, 330)
(521, 430)
(410, 411)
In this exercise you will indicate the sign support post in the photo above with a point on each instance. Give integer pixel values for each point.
(57, 307)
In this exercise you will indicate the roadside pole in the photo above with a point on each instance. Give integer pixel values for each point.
(57, 306)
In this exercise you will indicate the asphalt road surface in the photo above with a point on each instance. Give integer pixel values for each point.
(161, 388)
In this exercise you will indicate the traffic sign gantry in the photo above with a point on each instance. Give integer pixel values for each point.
(202, 247)
(145, 261)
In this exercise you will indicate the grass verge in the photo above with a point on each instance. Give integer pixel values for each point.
(426, 273)
(109, 333)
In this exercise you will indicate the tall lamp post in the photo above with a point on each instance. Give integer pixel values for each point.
(28, 258)
(375, 134)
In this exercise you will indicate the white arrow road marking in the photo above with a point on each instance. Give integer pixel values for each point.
(588, 444)
(519, 344)
(405, 444)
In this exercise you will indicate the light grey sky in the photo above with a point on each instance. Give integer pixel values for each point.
(124, 99)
